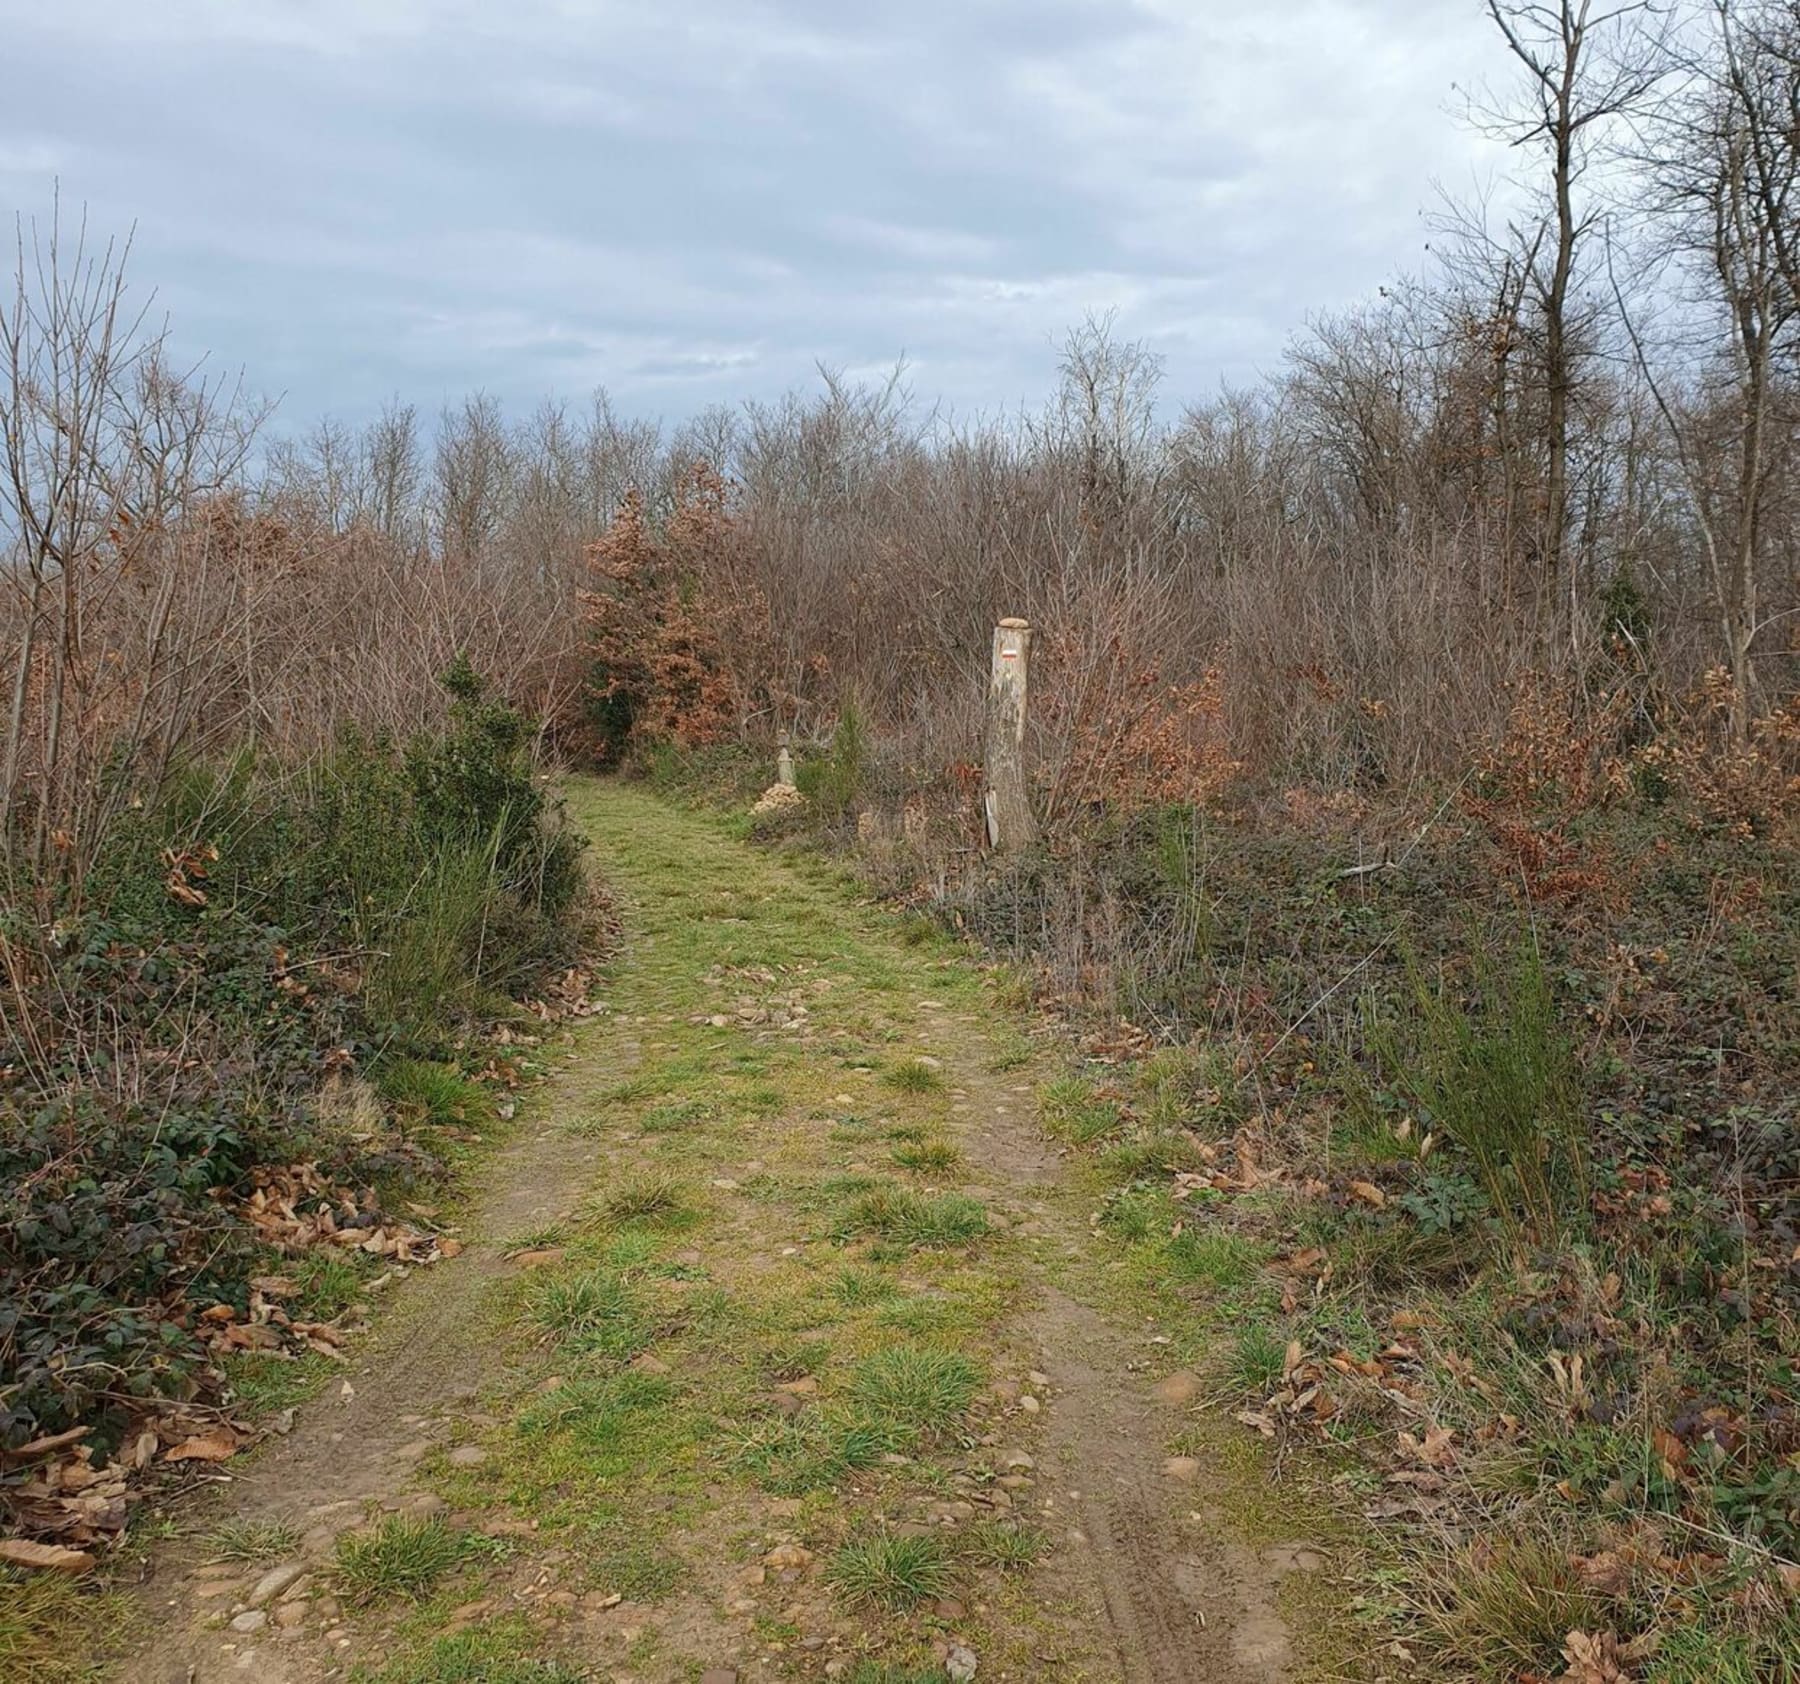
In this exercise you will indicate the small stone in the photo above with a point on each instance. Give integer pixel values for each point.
(1016, 1459)
(649, 1364)
(252, 1619)
(344, 1512)
(290, 1615)
(1177, 1390)
(1029, 1404)
(1037, 1378)
(788, 1557)
(960, 1664)
(1184, 1468)
(467, 1456)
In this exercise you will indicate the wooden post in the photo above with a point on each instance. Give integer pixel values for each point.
(1010, 825)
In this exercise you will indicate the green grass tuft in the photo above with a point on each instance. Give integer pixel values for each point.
(912, 1391)
(402, 1557)
(1072, 1110)
(941, 1223)
(598, 1311)
(807, 1451)
(933, 1155)
(1498, 1076)
(912, 1076)
(674, 1116)
(886, 1570)
(1256, 1361)
(654, 1200)
(599, 1413)
(1506, 1609)
(440, 1094)
(1213, 1258)
(857, 1289)
(1006, 1544)
(500, 1653)
(251, 1540)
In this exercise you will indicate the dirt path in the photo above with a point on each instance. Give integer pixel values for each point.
(773, 1355)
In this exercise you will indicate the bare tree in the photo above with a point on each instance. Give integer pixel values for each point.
(1583, 68)
(1106, 411)
(106, 454)
(1726, 162)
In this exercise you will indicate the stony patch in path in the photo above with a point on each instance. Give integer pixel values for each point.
(774, 1354)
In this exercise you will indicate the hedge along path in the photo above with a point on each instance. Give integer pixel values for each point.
(773, 1354)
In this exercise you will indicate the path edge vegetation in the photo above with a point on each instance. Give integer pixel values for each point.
(258, 1046)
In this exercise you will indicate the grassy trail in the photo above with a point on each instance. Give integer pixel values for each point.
(782, 1348)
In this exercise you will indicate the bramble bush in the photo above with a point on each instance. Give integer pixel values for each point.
(239, 941)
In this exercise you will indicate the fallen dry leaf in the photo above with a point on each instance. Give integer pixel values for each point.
(1435, 1450)
(1605, 1571)
(1598, 1657)
(45, 1446)
(216, 1446)
(55, 1558)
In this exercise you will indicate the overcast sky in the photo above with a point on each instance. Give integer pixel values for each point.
(697, 200)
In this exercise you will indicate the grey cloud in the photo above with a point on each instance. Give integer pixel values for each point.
(350, 198)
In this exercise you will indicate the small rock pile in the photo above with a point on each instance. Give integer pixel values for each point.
(777, 798)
